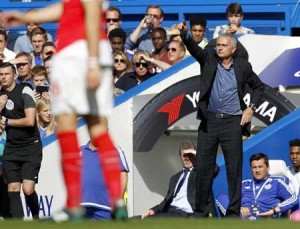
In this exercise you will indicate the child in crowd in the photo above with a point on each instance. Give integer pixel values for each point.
(40, 82)
(235, 15)
(45, 119)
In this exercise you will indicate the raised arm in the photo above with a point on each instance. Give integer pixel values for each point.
(48, 14)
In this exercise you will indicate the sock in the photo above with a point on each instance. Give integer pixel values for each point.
(109, 160)
(71, 166)
(16, 206)
(33, 204)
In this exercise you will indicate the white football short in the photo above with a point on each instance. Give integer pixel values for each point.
(69, 93)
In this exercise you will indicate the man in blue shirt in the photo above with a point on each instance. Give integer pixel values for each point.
(224, 115)
(140, 38)
(264, 196)
(95, 197)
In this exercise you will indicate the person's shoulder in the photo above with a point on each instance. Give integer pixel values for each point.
(246, 30)
(241, 61)
(125, 77)
(246, 182)
(21, 37)
(176, 175)
(221, 27)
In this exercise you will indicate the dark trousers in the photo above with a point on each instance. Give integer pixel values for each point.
(172, 212)
(228, 133)
(4, 201)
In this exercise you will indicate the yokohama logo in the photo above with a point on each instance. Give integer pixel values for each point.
(172, 108)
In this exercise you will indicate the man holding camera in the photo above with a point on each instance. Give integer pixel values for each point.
(140, 38)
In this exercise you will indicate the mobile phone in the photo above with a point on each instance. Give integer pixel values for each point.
(41, 89)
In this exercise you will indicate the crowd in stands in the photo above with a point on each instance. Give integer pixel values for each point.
(162, 47)
(147, 51)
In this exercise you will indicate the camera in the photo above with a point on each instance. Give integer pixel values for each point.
(149, 20)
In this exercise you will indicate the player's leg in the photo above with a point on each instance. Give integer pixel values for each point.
(31, 197)
(30, 172)
(12, 176)
(70, 158)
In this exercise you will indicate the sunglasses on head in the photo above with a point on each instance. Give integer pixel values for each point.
(138, 64)
(112, 19)
(119, 60)
(171, 49)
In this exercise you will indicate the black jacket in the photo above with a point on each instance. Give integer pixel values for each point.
(244, 74)
(191, 192)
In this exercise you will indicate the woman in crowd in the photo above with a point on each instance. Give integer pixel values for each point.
(45, 119)
(121, 65)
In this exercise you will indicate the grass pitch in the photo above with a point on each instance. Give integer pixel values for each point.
(157, 224)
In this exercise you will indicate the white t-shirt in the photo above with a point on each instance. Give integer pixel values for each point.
(294, 179)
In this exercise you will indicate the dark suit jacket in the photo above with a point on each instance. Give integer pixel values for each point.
(191, 192)
(244, 74)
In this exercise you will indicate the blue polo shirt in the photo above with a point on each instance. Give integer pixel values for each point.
(224, 96)
(94, 191)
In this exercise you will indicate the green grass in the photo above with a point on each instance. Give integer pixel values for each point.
(157, 224)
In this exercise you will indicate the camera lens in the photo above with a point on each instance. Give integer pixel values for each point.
(148, 20)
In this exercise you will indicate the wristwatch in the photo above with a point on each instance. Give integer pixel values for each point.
(6, 122)
(252, 106)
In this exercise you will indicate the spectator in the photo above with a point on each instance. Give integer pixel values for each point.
(23, 63)
(38, 37)
(180, 198)
(23, 43)
(159, 40)
(117, 38)
(176, 52)
(95, 197)
(44, 117)
(221, 105)
(48, 49)
(198, 29)
(263, 196)
(113, 18)
(47, 64)
(7, 55)
(11, 38)
(23, 149)
(140, 38)
(235, 15)
(294, 170)
(121, 66)
(39, 77)
(140, 74)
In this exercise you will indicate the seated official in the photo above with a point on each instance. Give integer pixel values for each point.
(264, 196)
(180, 199)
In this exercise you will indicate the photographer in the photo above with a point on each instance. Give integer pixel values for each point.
(140, 38)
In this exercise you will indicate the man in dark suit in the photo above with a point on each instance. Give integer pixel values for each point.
(180, 199)
(224, 115)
